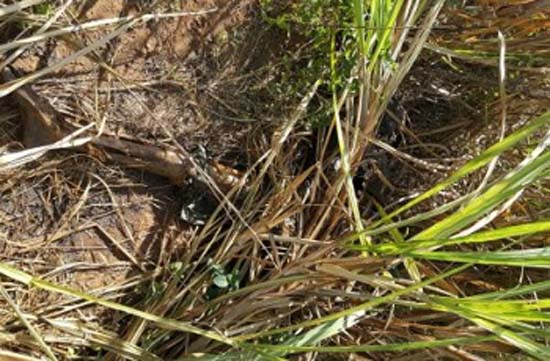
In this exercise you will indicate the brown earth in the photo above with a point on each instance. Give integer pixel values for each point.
(182, 79)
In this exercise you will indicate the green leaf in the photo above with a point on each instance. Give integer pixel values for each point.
(491, 322)
(494, 196)
(395, 347)
(483, 159)
(480, 237)
(536, 257)
(221, 281)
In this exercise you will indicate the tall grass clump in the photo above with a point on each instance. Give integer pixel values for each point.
(289, 264)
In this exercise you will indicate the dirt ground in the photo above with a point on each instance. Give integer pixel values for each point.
(184, 80)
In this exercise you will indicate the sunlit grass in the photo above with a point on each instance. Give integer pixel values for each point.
(311, 274)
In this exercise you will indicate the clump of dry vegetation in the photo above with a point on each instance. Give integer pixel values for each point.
(270, 180)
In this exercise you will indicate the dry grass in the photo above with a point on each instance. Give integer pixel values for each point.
(97, 263)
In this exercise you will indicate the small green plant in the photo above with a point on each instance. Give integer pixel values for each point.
(45, 8)
(222, 281)
(320, 22)
(177, 270)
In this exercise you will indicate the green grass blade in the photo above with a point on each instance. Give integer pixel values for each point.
(514, 292)
(409, 221)
(162, 322)
(353, 310)
(532, 348)
(494, 196)
(486, 321)
(32, 330)
(536, 257)
(396, 347)
(492, 306)
(483, 159)
(480, 237)
(385, 27)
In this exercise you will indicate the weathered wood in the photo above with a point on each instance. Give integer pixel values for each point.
(41, 126)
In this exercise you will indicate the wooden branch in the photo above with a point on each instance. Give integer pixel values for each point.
(163, 162)
(41, 126)
(39, 118)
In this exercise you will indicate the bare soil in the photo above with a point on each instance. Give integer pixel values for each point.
(183, 79)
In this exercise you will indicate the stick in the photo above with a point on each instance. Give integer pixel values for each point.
(41, 126)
